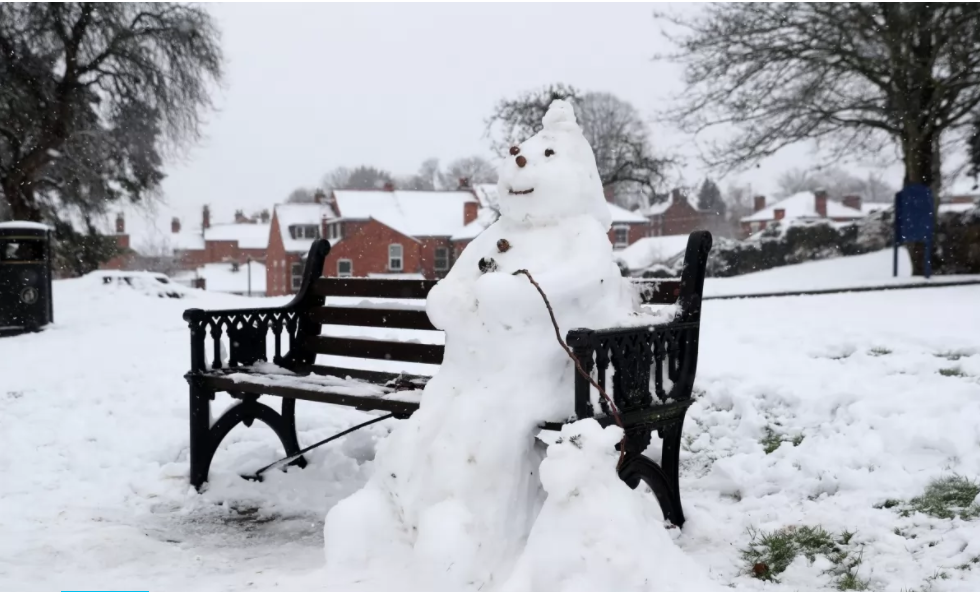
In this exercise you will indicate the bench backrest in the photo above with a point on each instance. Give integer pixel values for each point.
(399, 304)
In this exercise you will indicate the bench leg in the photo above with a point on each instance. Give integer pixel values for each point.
(662, 478)
(205, 438)
(201, 448)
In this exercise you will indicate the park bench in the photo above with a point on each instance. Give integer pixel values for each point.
(648, 371)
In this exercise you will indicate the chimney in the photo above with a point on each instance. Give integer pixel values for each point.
(205, 218)
(240, 217)
(120, 224)
(389, 186)
(464, 183)
(779, 213)
(609, 193)
(175, 225)
(319, 196)
(470, 210)
(852, 201)
(675, 195)
(820, 202)
(760, 203)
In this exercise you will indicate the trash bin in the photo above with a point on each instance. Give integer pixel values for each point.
(25, 277)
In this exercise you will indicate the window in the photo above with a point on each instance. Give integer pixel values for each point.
(621, 236)
(442, 258)
(395, 259)
(658, 225)
(297, 275)
(334, 230)
(345, 268)
(304, 231)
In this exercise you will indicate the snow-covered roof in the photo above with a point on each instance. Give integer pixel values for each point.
(24, 225)
(659, 208)
(248, 235)
(412, 213)
(624, 216)
(651, 250)
(300, 214)
(802, 205)
(219, 277)
(186, 240)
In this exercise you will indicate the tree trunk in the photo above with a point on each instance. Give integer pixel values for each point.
(20, 196)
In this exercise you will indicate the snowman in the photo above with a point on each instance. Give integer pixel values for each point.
(455, 489)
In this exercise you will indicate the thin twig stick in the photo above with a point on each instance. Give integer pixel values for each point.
(578, 366)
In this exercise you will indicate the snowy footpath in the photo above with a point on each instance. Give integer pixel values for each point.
(820, 425)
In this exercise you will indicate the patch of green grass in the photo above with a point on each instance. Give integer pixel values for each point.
(945, 498)
(770, 553)
(951, 372)
(953, 356)
(879, 351)
(772, 441)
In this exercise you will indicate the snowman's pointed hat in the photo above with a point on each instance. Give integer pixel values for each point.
(560, 117)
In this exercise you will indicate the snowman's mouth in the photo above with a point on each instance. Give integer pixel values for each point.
(525, 192)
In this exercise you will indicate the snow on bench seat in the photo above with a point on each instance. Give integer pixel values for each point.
(268, 379)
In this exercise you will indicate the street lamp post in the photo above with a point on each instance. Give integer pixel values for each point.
(249, 263)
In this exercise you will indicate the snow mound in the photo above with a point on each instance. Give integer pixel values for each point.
(595, 534)
(142, 282)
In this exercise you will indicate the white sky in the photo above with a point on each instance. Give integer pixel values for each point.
(313, 86)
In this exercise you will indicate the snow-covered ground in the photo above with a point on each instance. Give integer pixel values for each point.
(875, 395)
(872, 269)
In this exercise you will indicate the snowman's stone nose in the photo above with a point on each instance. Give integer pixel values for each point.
(521, 161)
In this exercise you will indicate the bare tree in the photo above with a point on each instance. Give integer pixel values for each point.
(361, 177)
(853, 76)
(300, 195)
(474, 169)
(836, 181)
(424, 180)
(612, 126)
(91, 93)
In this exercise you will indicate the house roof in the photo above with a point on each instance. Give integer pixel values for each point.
(802, 205)
(249, 236)
(624, 216)
(299, 213)
(412, 213)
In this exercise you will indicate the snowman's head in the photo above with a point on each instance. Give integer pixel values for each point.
(552, 175)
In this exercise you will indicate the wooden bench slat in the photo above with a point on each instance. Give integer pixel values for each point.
(372, 376)
(222, 383)
(372, 317)
(420, 353)
(371, 288)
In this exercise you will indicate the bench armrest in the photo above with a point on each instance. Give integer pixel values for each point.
(247, 328)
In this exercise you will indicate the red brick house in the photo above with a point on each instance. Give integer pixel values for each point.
(245, 238)
(627, 227)
(677, 215)
(293, 229)
(122, 260)
(803, 206)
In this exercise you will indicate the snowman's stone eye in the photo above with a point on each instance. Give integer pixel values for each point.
(549, 152)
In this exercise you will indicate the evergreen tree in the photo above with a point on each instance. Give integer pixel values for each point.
(709, 198)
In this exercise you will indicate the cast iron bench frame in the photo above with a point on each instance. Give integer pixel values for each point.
(640, 357)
